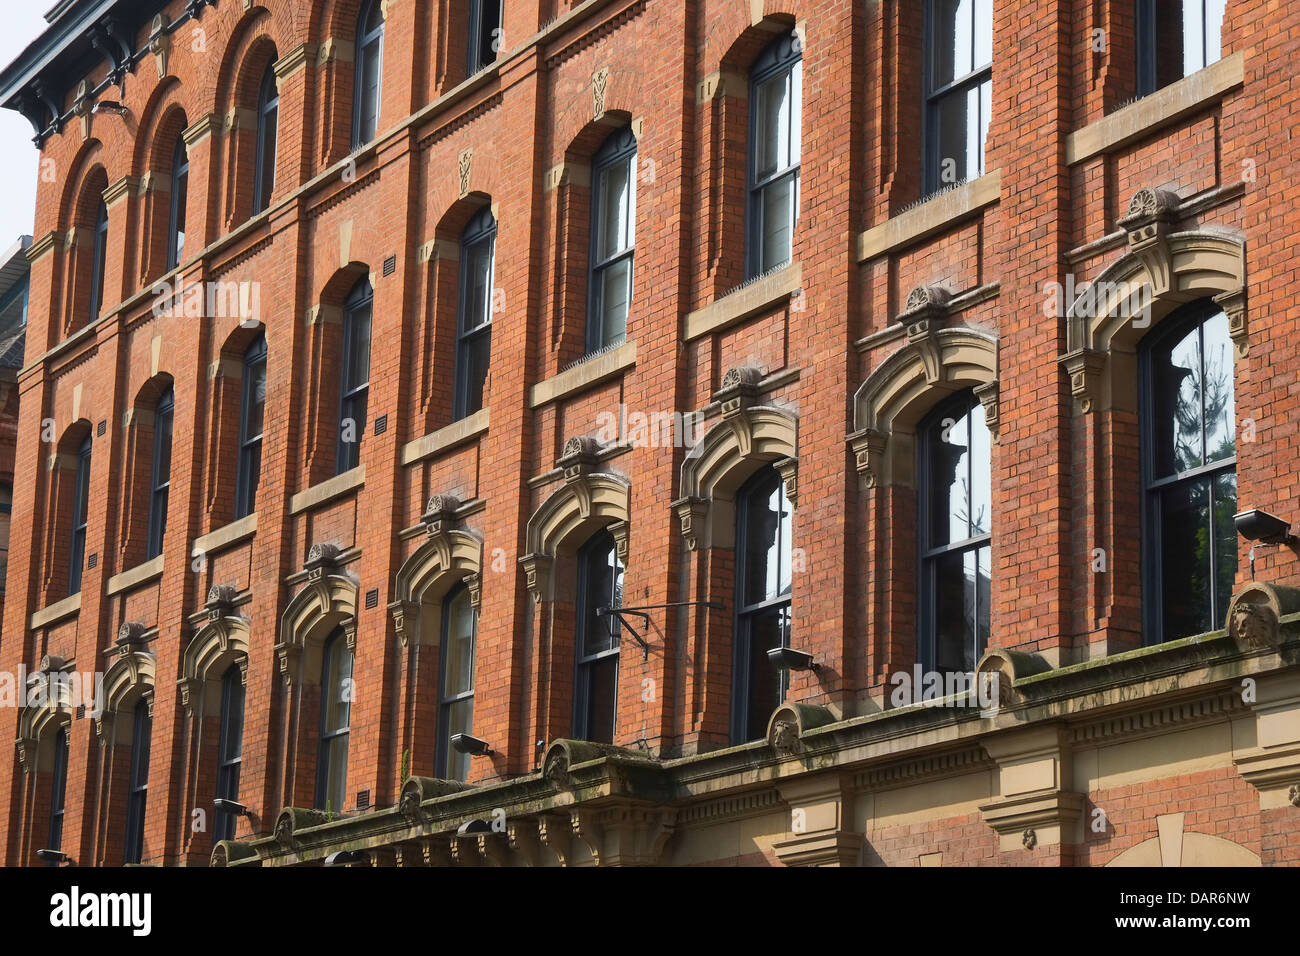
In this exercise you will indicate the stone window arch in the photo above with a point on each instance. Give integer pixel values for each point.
(750, 438)
(129, 682)
(45, 752)
(590, 501)
(326, 603)
(1164, 268)
(450, 556)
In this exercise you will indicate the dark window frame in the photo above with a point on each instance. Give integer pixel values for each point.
(354, 400)
(1148, 46)
(268, 134)
(482, 229)
(230, 750)
(783, 57)
(932, 162)
(482, 14)
(161, 472)
(1194, 315)
(80, 516)
(593, 557)
(750, 494)
(957, 408)
(443, 749)
(619, 148)
(334, 644)
(369, 43)
(138, 782)
(176, 222)
(98, 261)
(58, 791)
(249, 468)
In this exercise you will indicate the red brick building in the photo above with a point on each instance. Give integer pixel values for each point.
(376, 350)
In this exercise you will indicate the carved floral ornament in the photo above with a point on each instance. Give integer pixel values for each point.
(749, 435)
(589, 499)
(936, 360)
(449, 555)
(1162, 269)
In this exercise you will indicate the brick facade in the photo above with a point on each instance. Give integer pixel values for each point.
(823, 368)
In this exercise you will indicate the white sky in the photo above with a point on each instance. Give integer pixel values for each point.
(23, 23)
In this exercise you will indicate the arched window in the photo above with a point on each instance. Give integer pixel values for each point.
(484, 33)
(251, 417)
(137, 796)
(335, 723)
(80, 513)
(959, 89)
(268, 121)
(613, 240)
(474, 324)
(370, 57)
(179, 197)
(98, 262)
(1189, 473)
(160, 484)
(1176, 38)
(58, 791)
(230, 749)
(954, 521)
(354, 388)
(764, 578)
(775, 136)
(600, 586)
(456, 682)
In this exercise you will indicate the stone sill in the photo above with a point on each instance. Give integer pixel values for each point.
(1162, 108)
(327, 491)
(457, 433)
(57, 611)
(138, 575)
(593, 371)
(224, 537)
(747, 301)
(934, 215)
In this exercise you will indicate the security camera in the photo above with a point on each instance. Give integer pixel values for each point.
(465, 744)
(53, 856)
(345, 858)
(473, 826)
(110, 106)
(1257, 525)
(230, 806)
(788, 659)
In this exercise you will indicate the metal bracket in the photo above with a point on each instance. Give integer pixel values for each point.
(641, 612)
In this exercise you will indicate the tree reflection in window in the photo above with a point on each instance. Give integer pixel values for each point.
(1189, 473)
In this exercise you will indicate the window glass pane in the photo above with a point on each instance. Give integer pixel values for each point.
(164, 444)
(359, 359)
(1176, 405)
(180, 197)
(767, 630)
(337, 779)
(961, 609)
(370, 91)
(604, 586)
(1193, 36)
(615, 210)
(602, 693)
(256, 398)
(615, 295)
(952, 40)
(764, 574)
(948, 446)
(1220, 409)
(957, 116)
(1225, 543)
(772, 126)
(478, 292)
(477, 357)
(458, 669)
(1214, 11)
(986, 114)
(460, 720)
(981, 478)
(983, 29)
(778, 222)
(338, 686)
(1185, 559)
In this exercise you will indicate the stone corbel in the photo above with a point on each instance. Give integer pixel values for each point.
(1036, 805)
(84, 109)
(555, 833)
(537, 573)
(189, 689)
(926, 307)
(1234, 305)
(821, 811)
(869, 455)
(160, 42)
(405, 621)
(579, 459)
(737, 394)
(288, 655)
(693, 513)
(1085, 367)
(619, 530)
(524, 841)
(474, 584)
(1151, 216)
(788, 469)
